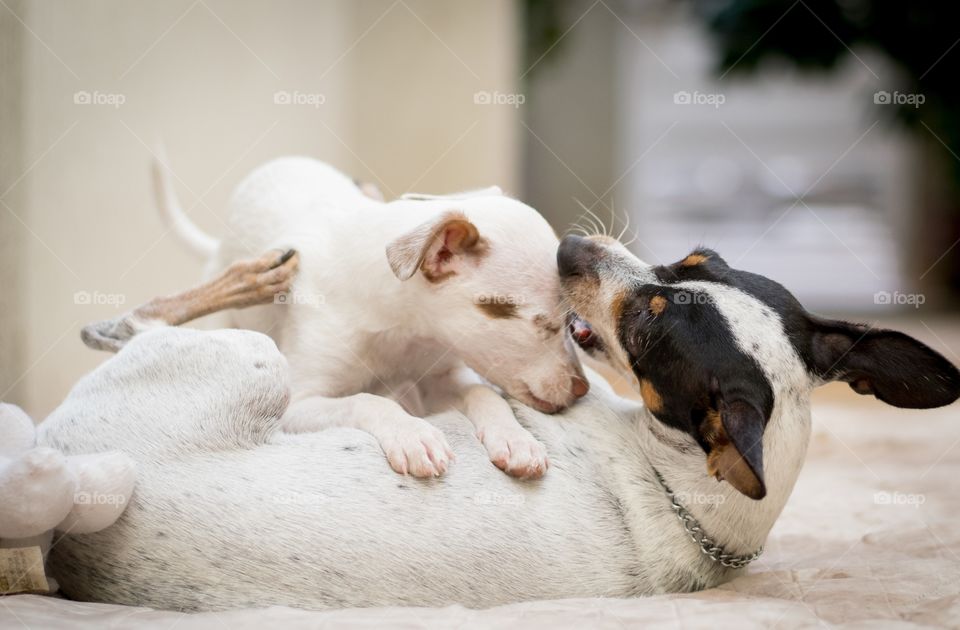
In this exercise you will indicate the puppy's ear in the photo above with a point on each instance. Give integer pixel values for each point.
(437, 247)
(894, 367)
(733, 435)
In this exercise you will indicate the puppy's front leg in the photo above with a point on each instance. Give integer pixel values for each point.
(412, 445)
(511, 447)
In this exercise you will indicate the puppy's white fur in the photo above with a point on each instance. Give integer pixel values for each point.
(368, 350)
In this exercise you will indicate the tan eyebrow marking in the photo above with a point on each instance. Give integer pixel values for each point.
(693, 260)
(658, 304)
(497, 309)
(617, 304)
(651, 397)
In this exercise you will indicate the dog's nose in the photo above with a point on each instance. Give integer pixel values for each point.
(568, 255)
(579, 386)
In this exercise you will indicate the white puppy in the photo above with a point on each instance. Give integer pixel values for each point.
(391, 303)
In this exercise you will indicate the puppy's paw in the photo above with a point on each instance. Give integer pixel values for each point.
(515, 451)
(110, 334)
(414, 446)
(260, 280)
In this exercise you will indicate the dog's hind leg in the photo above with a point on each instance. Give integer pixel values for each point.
(244, 283)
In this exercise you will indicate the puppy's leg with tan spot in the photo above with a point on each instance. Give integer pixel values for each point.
(244, 283)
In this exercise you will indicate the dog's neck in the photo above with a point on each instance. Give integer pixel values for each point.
(732, 520)
(642, 446)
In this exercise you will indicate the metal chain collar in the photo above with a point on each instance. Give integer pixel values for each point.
(708, 546)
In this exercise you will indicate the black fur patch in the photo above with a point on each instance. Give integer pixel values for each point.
(894, 367)
(689, 355)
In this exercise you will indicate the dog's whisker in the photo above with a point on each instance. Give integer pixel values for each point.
(591, 228)
(577, 228)
(593, 219)
(626, 226)
(633, 239)
(599, 220)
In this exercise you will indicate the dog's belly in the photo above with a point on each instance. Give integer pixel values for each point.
(319, 521)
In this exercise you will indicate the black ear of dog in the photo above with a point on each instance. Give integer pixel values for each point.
(894, 367)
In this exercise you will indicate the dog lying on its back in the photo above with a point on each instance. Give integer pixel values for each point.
(231, 512)
(394, 310)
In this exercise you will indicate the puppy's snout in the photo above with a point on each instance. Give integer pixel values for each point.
(579, 386)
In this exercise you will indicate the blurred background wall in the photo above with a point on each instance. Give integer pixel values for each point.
(757, 128)
(383, 90)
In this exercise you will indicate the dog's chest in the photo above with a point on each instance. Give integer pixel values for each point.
(403, 358)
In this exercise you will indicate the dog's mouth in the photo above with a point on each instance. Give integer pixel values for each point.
(582, 333)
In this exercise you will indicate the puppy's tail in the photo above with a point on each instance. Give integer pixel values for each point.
(198, 241)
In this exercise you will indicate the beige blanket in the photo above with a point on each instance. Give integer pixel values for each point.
(870, 537)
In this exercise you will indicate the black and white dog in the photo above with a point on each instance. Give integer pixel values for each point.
(231, 512)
